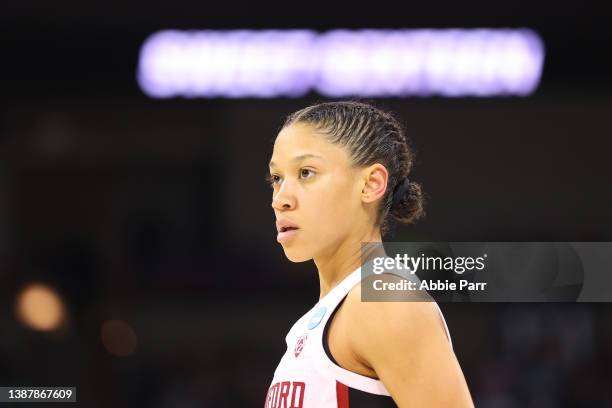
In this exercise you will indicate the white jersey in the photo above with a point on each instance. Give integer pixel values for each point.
(308, 377)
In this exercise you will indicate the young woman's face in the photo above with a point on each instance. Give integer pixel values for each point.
(314, 188)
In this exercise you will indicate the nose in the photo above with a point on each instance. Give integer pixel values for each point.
(284, 198)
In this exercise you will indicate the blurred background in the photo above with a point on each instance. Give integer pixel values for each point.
(138, 258)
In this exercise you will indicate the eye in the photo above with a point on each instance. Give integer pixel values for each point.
(302, 171)
(272, 179)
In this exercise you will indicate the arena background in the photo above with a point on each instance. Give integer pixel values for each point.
(151, 221)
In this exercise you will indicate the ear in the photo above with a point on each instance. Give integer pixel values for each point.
(375, 183)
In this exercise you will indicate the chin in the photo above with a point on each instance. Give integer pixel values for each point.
(296, 256)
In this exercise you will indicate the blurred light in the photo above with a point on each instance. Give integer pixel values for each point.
(118, 338)
(272, 63)
(40, 307)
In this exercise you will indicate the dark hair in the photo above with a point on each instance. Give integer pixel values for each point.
(371, 135)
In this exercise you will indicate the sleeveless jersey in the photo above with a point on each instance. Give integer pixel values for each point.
(308, 376)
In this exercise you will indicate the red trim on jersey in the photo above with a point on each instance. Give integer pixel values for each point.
(342, 395)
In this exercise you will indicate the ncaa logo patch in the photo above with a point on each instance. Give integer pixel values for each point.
(316, 318)
(299, 344)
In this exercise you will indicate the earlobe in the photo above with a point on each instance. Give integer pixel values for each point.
(366, 194)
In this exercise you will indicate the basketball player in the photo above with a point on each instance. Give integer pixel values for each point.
(339, 171)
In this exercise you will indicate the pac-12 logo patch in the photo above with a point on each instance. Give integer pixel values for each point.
(299, 344)
(316, 318)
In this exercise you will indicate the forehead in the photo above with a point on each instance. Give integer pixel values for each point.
(298, 139)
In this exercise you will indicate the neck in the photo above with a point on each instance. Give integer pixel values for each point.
(341, 260)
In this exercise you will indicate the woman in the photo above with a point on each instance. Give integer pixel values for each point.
(339, 171)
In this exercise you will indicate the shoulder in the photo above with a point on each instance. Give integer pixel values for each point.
(375, 326)
(398, 339)
(407, 308)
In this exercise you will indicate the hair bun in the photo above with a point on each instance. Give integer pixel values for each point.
(408, 203)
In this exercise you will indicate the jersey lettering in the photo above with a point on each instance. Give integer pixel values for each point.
(286, 394)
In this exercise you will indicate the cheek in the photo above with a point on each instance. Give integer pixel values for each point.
(330, 212)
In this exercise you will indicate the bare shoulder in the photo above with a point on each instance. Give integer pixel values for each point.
(411, 318)
(395, 308)
(401, 338)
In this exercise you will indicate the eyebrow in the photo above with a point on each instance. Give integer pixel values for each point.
(300, 157)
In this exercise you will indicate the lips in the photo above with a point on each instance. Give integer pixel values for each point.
(284, 236)
(283, 229)
(283, 225)
(286, 230)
